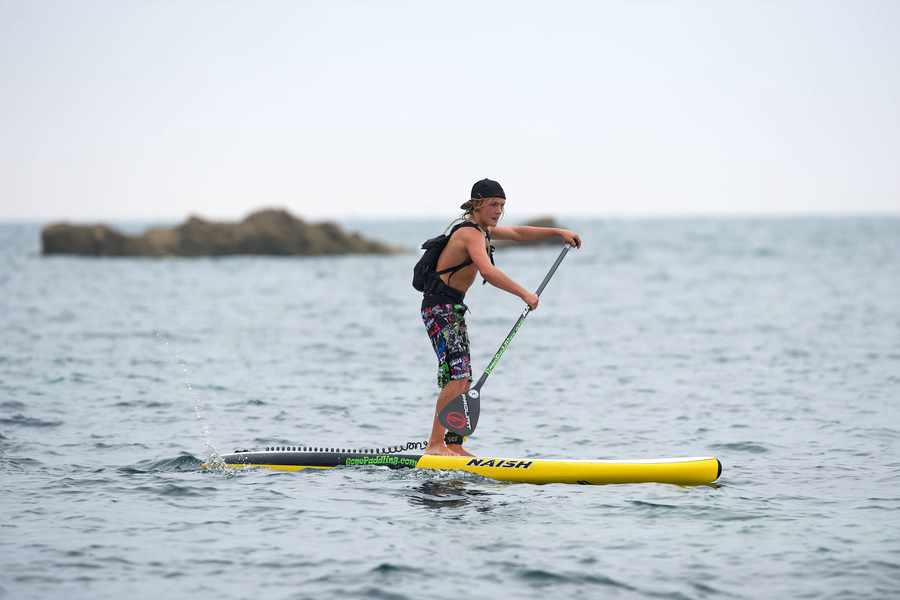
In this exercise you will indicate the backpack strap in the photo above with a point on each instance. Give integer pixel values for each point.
(468, 261)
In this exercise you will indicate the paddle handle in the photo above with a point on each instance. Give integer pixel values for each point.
(555, 266)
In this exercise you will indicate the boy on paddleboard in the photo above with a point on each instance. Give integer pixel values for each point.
(468, 252)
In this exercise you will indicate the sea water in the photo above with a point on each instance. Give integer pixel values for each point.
(773, 344)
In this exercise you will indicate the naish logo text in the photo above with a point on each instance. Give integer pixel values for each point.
(499, 462)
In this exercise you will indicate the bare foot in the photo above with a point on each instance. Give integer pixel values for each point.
(440, 450)
(458, 450)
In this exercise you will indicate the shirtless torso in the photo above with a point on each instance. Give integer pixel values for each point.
(456, 252)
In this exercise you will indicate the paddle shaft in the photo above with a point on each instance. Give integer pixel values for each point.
(519, 322)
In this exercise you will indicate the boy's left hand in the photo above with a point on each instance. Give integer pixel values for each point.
(571, 238)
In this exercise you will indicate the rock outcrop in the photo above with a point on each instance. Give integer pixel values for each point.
(265, 232)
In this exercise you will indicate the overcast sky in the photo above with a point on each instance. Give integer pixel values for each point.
(153, 110)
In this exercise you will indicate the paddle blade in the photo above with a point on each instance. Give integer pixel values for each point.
(461, 414)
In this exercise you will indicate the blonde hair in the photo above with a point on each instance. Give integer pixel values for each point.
(469, 208)
(471, 205)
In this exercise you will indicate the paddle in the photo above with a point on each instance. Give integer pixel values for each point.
(460, 415)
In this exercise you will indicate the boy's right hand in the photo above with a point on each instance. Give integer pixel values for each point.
(531, 300)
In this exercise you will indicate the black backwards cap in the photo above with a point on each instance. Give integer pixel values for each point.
(486, 188)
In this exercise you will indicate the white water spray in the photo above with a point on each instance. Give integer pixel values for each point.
(213, 459)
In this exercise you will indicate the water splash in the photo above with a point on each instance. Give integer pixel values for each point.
(213, 457)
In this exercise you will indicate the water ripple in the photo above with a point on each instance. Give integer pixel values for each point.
(543, 578)
(184, 462)
(748, 447)
(23, 421)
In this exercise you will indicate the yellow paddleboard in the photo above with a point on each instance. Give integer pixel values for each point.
(681, 471)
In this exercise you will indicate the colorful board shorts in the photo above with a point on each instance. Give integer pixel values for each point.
(446, 325)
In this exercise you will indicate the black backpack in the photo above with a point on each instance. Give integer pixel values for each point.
(425, 270)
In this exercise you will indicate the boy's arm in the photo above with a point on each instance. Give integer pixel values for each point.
(527, 233)
(474, 242)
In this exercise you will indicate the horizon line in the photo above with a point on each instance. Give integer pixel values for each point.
(94, 220)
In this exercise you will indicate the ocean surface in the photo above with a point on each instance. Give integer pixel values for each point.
(773, 344)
